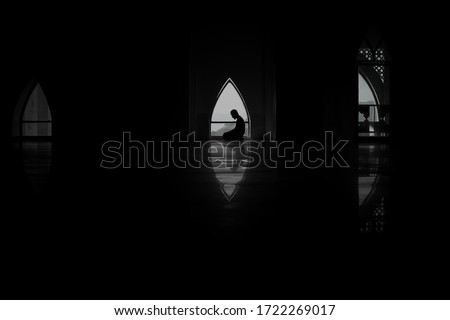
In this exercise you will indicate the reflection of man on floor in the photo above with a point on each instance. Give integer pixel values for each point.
(238, 132)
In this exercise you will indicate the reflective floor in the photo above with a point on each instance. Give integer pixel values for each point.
(236, 186)
(229, 198)
(36, 158)
(374, 173)
(230, 221)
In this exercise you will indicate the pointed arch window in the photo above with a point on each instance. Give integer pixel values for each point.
(229, 98)
(36, 119)
(373, 86)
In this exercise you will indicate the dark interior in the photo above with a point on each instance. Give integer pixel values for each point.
(74, 230)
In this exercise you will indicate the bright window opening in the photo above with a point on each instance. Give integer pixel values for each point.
(229, 98)
(36, 117)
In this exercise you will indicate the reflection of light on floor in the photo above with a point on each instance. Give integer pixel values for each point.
(373, 186)
(36, 157)
(229, 179)
(377, 221)
(365, 186)
(231, 171)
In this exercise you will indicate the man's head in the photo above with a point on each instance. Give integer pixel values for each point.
(234, 113)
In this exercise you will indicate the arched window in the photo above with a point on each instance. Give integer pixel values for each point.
(229, 98)
(367, 101)
(373, 87)
(36, 119)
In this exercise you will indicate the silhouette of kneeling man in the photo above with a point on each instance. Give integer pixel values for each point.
(238, 132)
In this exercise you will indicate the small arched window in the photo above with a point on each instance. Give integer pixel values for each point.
(229, 98)
(373, 86)
(36, 119)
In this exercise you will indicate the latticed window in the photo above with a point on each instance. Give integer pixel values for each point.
(379, 59)
(374, 87)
